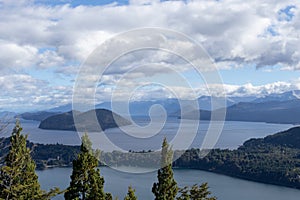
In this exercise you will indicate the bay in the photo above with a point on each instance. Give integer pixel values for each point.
(223, 187)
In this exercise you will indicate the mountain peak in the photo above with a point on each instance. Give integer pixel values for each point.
(285, 96)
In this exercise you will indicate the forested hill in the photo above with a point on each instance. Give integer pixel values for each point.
(45, 155)
(284, 112)
(289, 138)
(65, 121)
(274, 159)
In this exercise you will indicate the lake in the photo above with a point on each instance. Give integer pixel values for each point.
(223, 187)
(232, 136)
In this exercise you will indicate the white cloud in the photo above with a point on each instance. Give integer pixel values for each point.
(232, 30)
(252, 90)
(49, 59)
(59, 38)
(21, 92)
(16, 56)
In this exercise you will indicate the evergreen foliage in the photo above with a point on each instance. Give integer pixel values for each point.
(166, 187)
(18, 179)
(196, 192)
(86, 182)
(130, 194)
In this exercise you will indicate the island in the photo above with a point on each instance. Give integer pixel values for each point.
(85, 123)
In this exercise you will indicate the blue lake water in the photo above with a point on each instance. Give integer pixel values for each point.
(232, 135)
(224, 187)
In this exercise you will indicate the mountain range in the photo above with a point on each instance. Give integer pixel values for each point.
(275, 108)
(286, 96)
(286, 112)
(142, 108)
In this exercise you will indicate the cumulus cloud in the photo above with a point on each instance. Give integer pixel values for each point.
(16, 56)
(152, 92)
(20, 92)
(251, 90)
(230, 30)
(234, 33)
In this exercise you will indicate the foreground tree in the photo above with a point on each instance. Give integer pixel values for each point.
(196, 192)
(130, 194)
(18, 179)
(166, 187)
(86, 182)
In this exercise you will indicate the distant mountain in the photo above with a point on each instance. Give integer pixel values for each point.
(142, 108)
(172, 106)
(206, 104)
(205, 101)
(286, 96)
(36, 116)
(242, 99)
(61, 109)
(287, 112)
(7, 115)
(65, 121)
(136, 108)
(271, 111)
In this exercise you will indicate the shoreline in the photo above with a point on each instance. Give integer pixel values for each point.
(181, 168)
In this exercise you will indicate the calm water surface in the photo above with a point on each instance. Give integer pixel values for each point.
(224, 187)
(232, 136)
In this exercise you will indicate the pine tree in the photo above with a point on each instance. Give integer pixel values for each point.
(130, 194)
(86, 182)
(201, 192)
(196, 193)
(166, 187)
(184, 194)
(18, 179)
(108, 196)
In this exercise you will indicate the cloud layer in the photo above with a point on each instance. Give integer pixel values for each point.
(265, 34)
(43, 38)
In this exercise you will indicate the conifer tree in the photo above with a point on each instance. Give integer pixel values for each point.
(108, 196)
(18, 179)
(196, 192)
(184, 193)
(86, 182)
(166, 187)
(130, 194)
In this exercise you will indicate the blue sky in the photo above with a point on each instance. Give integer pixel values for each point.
(257, 76)
(44, 43)
(75, 3)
